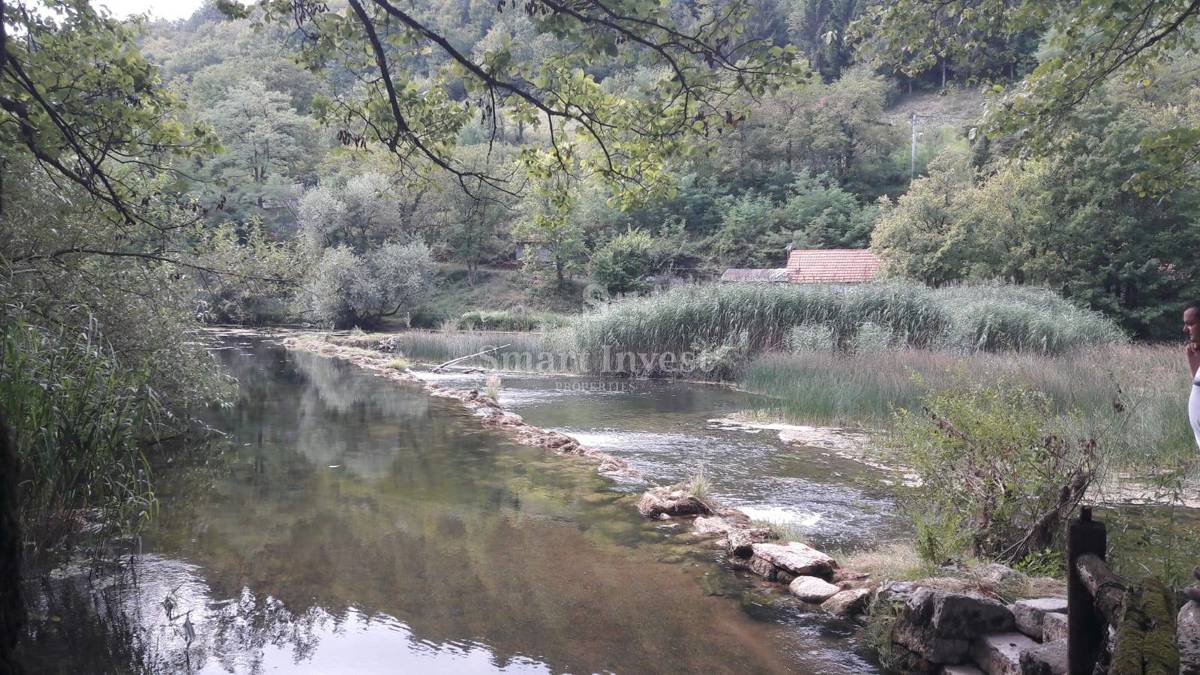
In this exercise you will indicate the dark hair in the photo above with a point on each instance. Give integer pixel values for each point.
(1194, 305)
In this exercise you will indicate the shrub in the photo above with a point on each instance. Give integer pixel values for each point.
(624, 262)
(346, 289)
(509, 320)
(75, 414)
(992, 463)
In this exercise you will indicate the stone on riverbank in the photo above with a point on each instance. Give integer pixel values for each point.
(939, 627)
(1054, 627)
(1048, 658)
(1030, 614)
(851, 602)
(711, 526)
(1000, 654)
(812, 589)
(1187, 632)
(672, 501)
(784, 562)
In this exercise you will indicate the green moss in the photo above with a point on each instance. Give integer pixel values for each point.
(1146, 634)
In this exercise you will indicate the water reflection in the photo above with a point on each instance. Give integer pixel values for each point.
(659, 427)
(352, 524)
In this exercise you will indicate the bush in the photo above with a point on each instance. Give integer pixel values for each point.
(75, 414)
(510, 320)
(994, 469)
(623, 263)
(346, 289)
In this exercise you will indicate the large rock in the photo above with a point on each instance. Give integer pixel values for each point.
(1054, 627)
(851, 602)
(1000, 653)
(793, 559)
(1029, 614)
(941, 626)
(924, 642)
(671, 501)
(963, 615)
(1187, 636)
(812, 589)
(1049, 658)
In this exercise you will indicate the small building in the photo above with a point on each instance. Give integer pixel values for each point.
(777, 276)
(832, 266)
(814, 266)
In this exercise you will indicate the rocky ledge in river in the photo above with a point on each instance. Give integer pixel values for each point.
(811, 575)
(490, 413)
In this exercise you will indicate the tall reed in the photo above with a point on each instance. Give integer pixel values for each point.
(760, 317)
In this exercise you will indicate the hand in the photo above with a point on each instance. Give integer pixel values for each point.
(1192, 349)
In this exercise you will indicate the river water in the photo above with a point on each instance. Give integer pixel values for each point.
(350, 524)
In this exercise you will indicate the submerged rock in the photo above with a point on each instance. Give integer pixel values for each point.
(812, 589)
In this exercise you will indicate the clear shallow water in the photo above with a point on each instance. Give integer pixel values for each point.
(351, 524)
(659, 428)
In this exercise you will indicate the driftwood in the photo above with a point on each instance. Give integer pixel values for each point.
(1106, 588)
(469, 356)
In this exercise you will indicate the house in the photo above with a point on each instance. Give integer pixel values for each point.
(778, 275)
(814, 266)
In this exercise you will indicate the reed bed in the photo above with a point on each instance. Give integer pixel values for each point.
(756, 318)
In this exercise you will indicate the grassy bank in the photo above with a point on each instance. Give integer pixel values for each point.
(1134, 396)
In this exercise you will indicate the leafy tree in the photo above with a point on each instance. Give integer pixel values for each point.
(552, 237)
(619, 134)
(623, 262)
(257, 276)
(268, 147)
(820, 214)
(745, 220)
(1089, 44)
(1065, 222)
(346, 289)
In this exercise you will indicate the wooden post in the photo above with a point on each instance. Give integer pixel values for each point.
(1085, 625)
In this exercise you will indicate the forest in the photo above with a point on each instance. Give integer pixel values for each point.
(576, 175)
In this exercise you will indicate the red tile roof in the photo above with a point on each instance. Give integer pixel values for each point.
(832, 266)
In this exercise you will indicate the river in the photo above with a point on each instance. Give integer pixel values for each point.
(346, 523)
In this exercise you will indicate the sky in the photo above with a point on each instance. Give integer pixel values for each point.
(160, 9)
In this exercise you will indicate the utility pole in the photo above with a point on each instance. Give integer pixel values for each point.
(912, 162)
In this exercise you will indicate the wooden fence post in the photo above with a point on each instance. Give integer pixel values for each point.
(1085, 624)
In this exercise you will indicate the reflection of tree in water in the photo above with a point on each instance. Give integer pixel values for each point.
(328, 405)
(464, 538)
(134, 616)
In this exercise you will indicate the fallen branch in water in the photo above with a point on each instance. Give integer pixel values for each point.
(451, 362)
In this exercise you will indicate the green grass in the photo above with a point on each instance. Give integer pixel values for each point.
(519, 319)
(1133, 396)
(757, 318)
